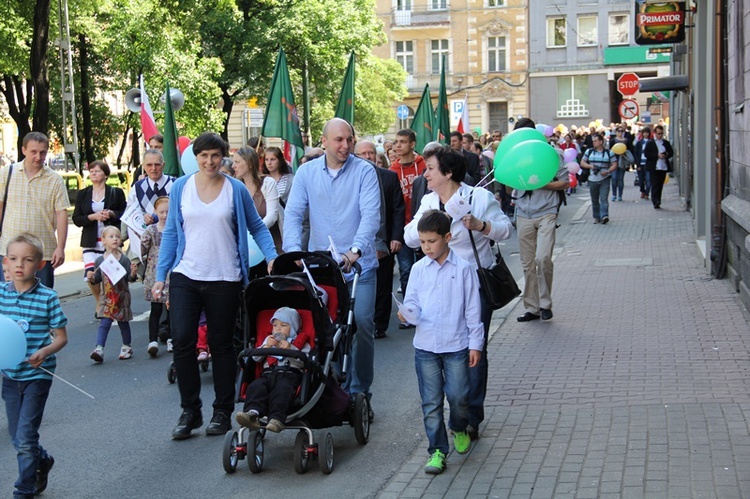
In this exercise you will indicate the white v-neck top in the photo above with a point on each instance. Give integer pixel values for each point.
(210, 240)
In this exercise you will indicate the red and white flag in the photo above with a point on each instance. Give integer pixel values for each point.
(148, 125)
(463, 122)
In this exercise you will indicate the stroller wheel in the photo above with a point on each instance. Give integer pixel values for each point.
(171, 374)
(229, 455)
(301, 456)
(325, 456)
(361, 418)
(256, 447)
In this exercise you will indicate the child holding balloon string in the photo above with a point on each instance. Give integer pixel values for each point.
(29, 311)
(114, 304)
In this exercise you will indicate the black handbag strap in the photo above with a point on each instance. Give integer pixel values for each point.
(5, 198)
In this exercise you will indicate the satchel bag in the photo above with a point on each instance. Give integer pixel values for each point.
(496, 283)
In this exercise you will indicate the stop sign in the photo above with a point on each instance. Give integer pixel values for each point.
(627, 84)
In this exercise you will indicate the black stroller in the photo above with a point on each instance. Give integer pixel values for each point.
(320, 402)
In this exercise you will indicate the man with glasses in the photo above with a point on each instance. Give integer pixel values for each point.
(146, 191)
(658, 153)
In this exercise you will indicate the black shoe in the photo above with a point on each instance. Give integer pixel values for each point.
(605, 220)
(219, 425)
(405, 325)
(186, 424)
(42, 473)
(657, 206)
(546, 314)
(473, 433)
(380, 334)
(527, 317)
(371, 415)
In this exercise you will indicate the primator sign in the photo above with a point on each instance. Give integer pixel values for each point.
(657, 23)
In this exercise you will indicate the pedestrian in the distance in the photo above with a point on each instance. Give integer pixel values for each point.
(443, 302)
(114, 303)
(36, 309)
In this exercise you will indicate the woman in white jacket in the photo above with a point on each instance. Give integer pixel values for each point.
(444, 174)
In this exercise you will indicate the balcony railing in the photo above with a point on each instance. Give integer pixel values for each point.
(420, 17)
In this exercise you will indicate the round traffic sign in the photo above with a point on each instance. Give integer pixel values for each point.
(627, 84)
(628, 109)
(402, 112)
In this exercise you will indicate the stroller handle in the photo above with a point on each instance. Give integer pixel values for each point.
(276, 352)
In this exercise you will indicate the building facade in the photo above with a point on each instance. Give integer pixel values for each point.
(577, 51)
(485, 47)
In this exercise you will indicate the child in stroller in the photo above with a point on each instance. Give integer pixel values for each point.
(271, 394)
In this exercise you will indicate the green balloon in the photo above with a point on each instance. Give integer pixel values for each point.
(516, 137)
(529, 165)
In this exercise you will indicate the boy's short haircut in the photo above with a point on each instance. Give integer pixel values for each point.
(31, 240)
(434, 221)
(408, 133)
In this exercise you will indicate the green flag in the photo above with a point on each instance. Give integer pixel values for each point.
(281, 114)
(171, 152)
(442, 116)
(423, 123)
(345, 106)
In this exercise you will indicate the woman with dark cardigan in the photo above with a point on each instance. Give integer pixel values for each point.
(97, 206)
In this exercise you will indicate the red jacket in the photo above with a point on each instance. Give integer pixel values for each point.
(406, 176)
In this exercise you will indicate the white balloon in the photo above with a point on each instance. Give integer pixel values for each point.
(188, 161)
(255, 255)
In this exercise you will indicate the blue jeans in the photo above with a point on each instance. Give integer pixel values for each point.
(24, 406)
(599, 203)
(644, 179)
(443, 375)
(220, 300)
(478, 373)
(406, 258)
(618, 183)
(361, 370)
(104, 326)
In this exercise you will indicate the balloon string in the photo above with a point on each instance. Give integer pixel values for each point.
(480, 184)
(67, 383)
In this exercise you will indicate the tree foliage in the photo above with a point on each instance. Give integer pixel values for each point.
(215, 51)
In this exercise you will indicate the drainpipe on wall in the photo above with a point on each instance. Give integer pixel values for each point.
(719, 232)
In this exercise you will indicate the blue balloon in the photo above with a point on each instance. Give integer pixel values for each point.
(188, 160)
(12, 343)
(255, 255)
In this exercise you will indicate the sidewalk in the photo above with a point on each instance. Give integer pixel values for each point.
(637, 388)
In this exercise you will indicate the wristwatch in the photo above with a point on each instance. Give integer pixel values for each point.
(356, 251)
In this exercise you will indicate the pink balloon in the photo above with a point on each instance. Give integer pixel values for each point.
(548, 131)
(572, 167)
(570, 155)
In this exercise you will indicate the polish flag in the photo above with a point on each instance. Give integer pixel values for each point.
(148, 125)
(463, 122)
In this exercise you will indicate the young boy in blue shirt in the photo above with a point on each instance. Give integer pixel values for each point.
(36, 309)
(442, 300)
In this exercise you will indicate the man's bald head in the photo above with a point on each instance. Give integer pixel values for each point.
(338, 140)
(366, 149)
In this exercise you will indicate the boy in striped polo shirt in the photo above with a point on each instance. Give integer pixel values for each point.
(36, 309)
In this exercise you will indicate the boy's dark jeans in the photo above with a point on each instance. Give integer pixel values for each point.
(24, 406)
(273, 392)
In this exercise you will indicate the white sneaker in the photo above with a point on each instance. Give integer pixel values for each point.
(153, 349)
(170, 348)
(126, 352)
(98, 354)
(202, 356)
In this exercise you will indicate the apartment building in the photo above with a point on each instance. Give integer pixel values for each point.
(577, 51)
(485, 47)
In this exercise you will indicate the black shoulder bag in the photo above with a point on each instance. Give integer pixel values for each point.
(5, 198)
(496, 283)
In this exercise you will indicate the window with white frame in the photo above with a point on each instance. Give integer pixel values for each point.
(557, 35)
(405, 55)
(496, 3)
(402, 4)
(619, 29)
(587, 27)
(438, 4)
(497, 54)
(438, 49)
(572, 96)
